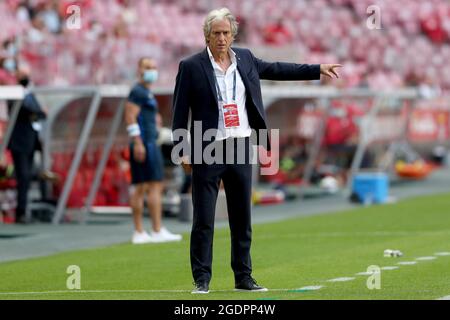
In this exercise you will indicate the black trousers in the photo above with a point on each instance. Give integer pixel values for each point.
(237, 180)
(23, 169)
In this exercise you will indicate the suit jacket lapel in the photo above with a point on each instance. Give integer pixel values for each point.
(209, 71)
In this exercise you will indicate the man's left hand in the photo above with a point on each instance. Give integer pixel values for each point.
(329, 70)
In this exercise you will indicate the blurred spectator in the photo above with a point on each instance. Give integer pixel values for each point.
(129, 13)
(341, 136)
(24, 11)
(24, 142)
(432, 27)
(95, 31)
(277, 34)
(37, 32)
(120, 30)
(50, 16)
(9, 47)
(429, 88)
(7, 68)
(7, 189)
(241, 37)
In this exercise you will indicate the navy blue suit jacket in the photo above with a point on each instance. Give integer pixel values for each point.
(23, 137)
(195, 89)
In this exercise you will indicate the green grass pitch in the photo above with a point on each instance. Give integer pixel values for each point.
(286, 256)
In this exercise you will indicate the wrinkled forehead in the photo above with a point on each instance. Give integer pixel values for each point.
(221, 25)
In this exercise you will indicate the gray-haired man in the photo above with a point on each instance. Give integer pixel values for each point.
(220, 86)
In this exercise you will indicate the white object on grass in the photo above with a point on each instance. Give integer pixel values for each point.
(388, 253)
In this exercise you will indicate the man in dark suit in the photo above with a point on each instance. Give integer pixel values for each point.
(24, 142)
(219, 88)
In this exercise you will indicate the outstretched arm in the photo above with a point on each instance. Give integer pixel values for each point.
(292, 71)
(283, 71)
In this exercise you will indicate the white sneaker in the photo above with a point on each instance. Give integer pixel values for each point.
(165, 235)
(141, 238)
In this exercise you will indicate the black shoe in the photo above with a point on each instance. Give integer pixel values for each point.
(249, 284)
(201, 287)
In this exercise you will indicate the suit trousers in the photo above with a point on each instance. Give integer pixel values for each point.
(23, 166)
(237, 182)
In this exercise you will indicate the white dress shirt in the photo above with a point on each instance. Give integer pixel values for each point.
(225, 82)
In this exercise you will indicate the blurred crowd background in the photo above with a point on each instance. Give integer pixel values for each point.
(412, 48)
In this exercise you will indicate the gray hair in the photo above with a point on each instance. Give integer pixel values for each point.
(217, 15)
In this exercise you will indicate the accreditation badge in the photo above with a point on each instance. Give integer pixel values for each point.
(230, 115)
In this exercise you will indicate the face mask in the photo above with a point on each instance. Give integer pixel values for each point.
(150, 76)
(12, 50)
(24, 82)
(10, 65)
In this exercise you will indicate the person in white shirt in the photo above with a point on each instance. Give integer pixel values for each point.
(219, 88)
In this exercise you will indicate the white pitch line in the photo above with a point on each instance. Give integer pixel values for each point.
(442, 254)
(426, 258)
(342, 279)
(407, 263)
(389, 268)
(308, 288)
(365, 273)
(444, 298)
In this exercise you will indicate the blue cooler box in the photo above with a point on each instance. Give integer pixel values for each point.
(371, 187)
